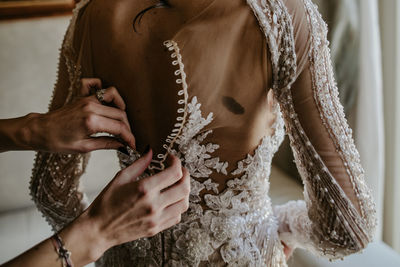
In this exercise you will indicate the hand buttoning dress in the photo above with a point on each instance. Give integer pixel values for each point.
(220, 91)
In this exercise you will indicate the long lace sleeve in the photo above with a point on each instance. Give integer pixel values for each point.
(337, 216)
(55, 177)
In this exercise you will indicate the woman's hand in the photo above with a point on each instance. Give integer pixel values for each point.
(124, 211)
(70, 129)
(128, 209)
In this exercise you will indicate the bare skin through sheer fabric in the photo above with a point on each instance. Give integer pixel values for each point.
(214, 84)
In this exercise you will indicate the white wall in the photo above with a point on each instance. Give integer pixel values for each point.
(28, 59)
(28, 56)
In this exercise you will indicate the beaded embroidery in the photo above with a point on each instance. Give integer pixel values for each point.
(238, 221)
(238, 226)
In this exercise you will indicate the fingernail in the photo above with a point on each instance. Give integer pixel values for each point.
(123, 150)
(147, 149)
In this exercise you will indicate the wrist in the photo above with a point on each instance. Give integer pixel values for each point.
(84, 240)
(17, 133)
(34, 133)
(29, 131)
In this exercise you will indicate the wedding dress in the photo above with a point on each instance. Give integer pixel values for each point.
(219, 67)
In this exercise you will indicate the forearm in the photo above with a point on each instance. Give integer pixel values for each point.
(16, 133)
(80, 238)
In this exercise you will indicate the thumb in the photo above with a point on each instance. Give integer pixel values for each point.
(137, 168)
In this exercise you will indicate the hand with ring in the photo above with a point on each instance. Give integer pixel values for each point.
(70, 129)
(100, 95)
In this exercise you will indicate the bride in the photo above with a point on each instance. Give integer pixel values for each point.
(218, 83)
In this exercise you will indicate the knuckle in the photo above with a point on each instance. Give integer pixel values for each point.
(176, 161)
(177, 171)
(87, 106)
(186, 189)
(152, 224)
(151, 232)
(178, 219)
(185, 172)
(86, 81)
(113, 90)
(142, 189)
(124, 116)
(97, 81)
(122, 127)
(185, 205)
(90, 121)
(151, 210)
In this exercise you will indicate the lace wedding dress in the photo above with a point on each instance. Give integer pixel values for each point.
(228, 147)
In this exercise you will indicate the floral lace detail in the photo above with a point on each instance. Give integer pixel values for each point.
(196, 155)
(236, 227)
(238, 222)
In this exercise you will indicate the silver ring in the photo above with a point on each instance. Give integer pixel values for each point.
(100, 95)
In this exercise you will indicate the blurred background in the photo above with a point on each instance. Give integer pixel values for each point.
(365, 48)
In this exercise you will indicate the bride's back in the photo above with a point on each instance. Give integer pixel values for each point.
(206, 90)
(225, 60)
(136, 63)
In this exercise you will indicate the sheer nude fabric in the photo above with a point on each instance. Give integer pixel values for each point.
(215, 83)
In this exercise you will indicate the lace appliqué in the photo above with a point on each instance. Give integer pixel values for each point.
(238, 222)
(238, 228)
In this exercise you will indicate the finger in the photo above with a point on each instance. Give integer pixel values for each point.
(98, 143)
(171, 222)
(167, 177)
(174, 210)
(97, 124)
(176, 192)
(112, 96)
(89, 86)
(110, 112)
(131, 172)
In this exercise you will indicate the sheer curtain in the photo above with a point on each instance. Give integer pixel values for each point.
(371, 100)
(369, 131)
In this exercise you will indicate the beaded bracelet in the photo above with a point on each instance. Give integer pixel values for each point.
(62, 252)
